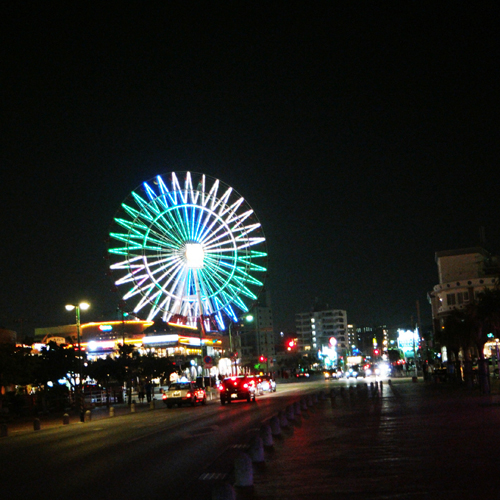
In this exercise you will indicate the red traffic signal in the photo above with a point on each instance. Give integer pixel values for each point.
(262, 359)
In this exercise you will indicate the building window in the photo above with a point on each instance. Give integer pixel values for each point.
(450, 299)
(462, 297)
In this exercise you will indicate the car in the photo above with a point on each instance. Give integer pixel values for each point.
(352, 372)
(255, 381)
(236, 388)
(187, 393)
(333, 374)
(267, 384)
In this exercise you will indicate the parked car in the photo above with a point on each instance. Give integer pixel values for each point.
(267, 384)
(235, 388)
(181, 393)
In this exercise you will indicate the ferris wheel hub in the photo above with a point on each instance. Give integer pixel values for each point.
(194, 255)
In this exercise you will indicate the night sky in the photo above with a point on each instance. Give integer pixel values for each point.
(365, 136)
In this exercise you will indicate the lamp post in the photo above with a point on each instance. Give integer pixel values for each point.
(80, 396)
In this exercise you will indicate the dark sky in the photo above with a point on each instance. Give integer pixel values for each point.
(364, 135)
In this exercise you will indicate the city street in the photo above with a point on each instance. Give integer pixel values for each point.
(397, 441)
(160, 453)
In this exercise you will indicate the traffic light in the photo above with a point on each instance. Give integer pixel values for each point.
(376, 352)
(262, 359)
(291, 344)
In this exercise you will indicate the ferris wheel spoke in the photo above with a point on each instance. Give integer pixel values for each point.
(221, 239)
(215, 226)
(219, 275)
(199, 224)
(231, 210)
(163, 236)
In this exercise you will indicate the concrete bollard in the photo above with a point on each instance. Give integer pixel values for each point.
(223, 491)
(275, 426)
(243, 471)
(111, 411)
(283, 420)
(390, 382)
(256, 450)
(152, 404)
(88, 416)
(381, 385)
(3, 430)
(132, 408)
(266, 435)
(65, 419)
(290, 413)
(36, 424)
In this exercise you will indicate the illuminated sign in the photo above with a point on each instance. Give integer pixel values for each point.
(105, 328)
(97, 345)
(333, 341)
(159, 339)
(408, 340)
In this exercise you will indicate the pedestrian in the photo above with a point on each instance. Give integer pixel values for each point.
(141, 393)
(148, 391)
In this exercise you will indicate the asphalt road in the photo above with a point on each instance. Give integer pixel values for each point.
(159, 454)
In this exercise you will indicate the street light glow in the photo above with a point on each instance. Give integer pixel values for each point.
(83, 306)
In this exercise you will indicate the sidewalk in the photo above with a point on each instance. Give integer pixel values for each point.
(52, 420)
(410, 441)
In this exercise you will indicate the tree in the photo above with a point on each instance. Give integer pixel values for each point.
(456, 336)
(56, 363)
(103, 371)
(484, 317)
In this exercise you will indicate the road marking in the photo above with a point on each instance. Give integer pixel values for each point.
(213, 476)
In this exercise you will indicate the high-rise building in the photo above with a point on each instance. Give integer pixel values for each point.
(257, 336)
(324, 328)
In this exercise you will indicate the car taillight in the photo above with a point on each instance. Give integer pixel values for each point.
(188, 395)
(245, 385)
(164, 396)
(221, 387)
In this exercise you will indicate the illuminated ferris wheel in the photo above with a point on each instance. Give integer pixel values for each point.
(186, 248)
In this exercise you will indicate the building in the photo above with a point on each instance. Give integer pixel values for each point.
(257, 336)
(463, 274)
(322, 329)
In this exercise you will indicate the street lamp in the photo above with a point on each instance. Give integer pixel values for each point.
(81, 398)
